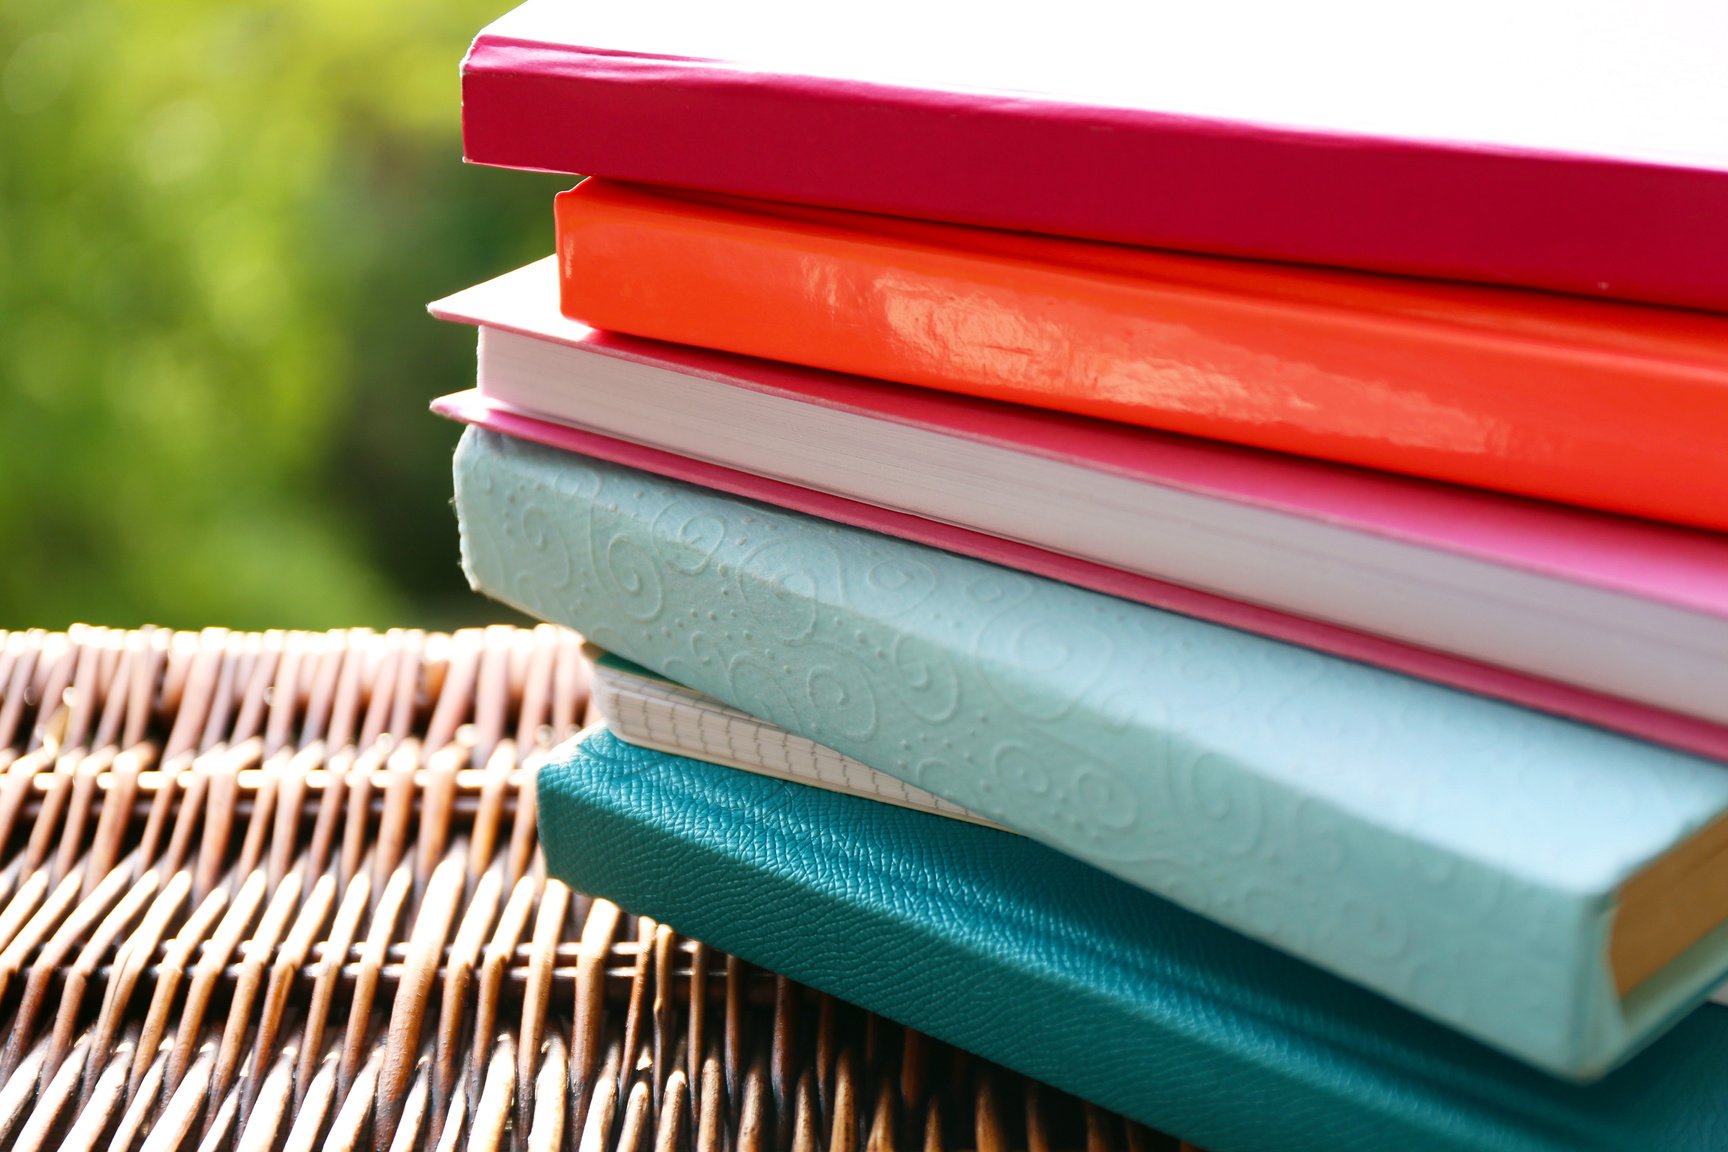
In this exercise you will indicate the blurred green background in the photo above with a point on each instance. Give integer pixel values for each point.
(219, 226)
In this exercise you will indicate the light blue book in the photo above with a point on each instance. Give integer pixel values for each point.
(1518, 877)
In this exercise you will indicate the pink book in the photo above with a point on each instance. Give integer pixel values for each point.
(1616, 621)
(1542, 145)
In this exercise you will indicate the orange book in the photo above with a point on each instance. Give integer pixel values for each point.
(1619, 407)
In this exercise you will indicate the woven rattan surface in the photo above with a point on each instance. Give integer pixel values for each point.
(282, 891)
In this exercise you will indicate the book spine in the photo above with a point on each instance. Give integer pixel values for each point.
(1015, 952)
(1582, 403)
(1397, 833)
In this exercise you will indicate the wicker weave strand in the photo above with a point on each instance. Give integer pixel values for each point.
(279, 892)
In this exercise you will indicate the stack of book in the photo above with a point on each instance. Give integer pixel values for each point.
(1249, 578)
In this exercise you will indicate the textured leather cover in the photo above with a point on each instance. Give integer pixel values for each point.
(1011, 950)
(1581, 152)
(1578, 401)
(1459, 855)
(1671, 728)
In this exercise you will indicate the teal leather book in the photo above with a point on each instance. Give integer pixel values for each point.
(1004, 947)
(1504, 872)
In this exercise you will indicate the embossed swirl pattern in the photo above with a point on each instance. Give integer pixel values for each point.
(1402, 834)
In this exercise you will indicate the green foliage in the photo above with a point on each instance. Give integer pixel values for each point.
(219, 225)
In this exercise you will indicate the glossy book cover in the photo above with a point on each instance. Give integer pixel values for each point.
(1614, 407)
(1580, 150)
